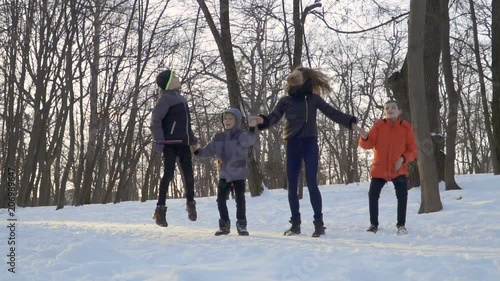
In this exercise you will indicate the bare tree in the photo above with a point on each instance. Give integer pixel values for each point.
(76, 101)
(13, 103)
(145, 52)
(431, 201)
(397, 82)
(453, 99)
(468, 142)
(482, 84)
(495, 69)
(224, 44)
(94, 124)
(36, 181)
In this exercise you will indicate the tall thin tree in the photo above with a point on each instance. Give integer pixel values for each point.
(482, 85)
(495, 69)
(224, 44)
(453, 99)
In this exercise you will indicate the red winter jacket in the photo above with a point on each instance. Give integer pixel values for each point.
(390, 140)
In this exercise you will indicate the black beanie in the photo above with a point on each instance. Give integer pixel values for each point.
(164, 78)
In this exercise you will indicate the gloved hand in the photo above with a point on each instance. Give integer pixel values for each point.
(159, 147)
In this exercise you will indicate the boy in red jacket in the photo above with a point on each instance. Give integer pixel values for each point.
(394, 147)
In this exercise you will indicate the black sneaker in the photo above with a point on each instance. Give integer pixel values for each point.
(402, 230)
(191, 209)
(224, 228)
(294, 229)
(160, 215)
(319, 229)
(241, 226)
(372, 228)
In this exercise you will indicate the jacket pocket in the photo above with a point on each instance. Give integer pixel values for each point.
(173, 127)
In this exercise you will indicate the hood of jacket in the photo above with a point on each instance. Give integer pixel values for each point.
(237, 113)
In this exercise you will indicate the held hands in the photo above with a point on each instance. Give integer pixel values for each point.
(193, 147)
(362, 132)
(399, 163)
(158, 147)
(253, 121)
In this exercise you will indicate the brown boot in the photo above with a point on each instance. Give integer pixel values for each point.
(319, 228)
(224, 227)
(191, 209)
(294, 229)
(160, 215)
(241, 226)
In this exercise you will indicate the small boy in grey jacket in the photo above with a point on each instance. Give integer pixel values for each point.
(231, 148)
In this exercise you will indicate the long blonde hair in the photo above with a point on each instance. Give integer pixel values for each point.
(319, 80)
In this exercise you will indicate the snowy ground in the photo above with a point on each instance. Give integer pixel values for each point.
(121, 242)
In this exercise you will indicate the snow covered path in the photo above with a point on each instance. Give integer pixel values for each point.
(121, 242)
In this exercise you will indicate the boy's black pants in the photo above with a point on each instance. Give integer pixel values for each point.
(170, 155)
(400, 186)
(222, 195)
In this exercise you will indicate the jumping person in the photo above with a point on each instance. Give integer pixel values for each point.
(393, 142)
(172, 135)
(304, 88)
(231, 149)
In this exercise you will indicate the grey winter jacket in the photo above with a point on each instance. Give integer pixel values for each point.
(300, 108)
(231, 148)
(171, 121)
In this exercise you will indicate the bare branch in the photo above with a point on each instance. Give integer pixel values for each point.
(393, 19)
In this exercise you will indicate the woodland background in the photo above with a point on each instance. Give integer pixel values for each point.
(78, 79)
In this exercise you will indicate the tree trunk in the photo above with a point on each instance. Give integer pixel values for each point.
(466, 113)
(495, 69)
(297, 61)
(127, 167)
(285, 26)
(13, 121)
(299, 35)
(224, 44)
(77, 179)
(61, 195)
(145, 195)
(275, 164)
(432, 52)
(431, 201)
(453, 100)
(28, 173)
(45, 172)
(398, 83)
(298, 25)
(91, 157)
(482, 84)
(38, 151)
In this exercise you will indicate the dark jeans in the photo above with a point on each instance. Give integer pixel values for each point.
(222, 195)
(298, 149)
(400, 185)
(170, 155)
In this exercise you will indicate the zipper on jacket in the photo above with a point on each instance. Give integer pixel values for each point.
(390, 166)
(187, 122)
(173, 127)
(307, 109)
